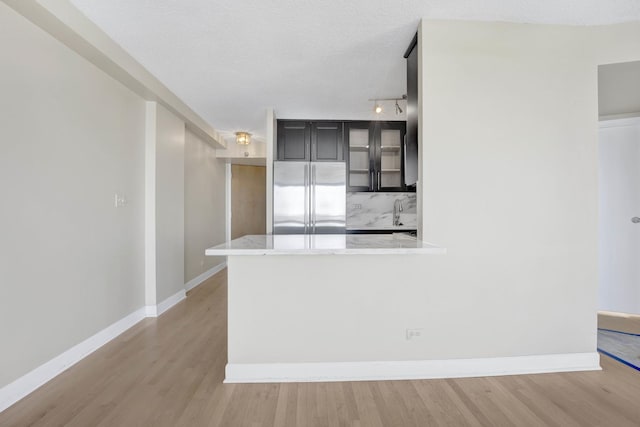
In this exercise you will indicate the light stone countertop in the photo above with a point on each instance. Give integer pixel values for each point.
(389, 227)
(326, 244)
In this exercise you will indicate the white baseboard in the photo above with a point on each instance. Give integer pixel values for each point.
(13, 392)
(619, 314)
(28, 383)
(409, 370)
(191, 284)
(615, 120)
(157, 310)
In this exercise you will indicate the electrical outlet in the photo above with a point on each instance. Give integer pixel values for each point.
(414, 333)
(357, 206)
(120, 200)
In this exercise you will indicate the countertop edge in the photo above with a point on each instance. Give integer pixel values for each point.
(410, 228)
(359, 251)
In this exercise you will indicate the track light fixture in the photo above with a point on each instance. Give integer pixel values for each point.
(377, 108)
(398, 109)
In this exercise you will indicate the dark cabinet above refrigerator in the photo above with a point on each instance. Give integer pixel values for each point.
(375, 151)
(294, 141)
(315, 141)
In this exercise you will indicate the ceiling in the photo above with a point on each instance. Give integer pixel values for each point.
(619, 89)
(229, 60)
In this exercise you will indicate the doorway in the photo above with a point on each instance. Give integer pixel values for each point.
(619, 223)
(248, 200)
(619, 212)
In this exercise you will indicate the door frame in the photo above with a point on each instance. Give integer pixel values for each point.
(227, 201)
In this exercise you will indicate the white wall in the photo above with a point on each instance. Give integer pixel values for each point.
(357, 308)
(509, 185)
(204, 207)
(70, 262)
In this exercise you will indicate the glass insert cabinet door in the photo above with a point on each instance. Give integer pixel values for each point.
(389, 159)
(360, 172)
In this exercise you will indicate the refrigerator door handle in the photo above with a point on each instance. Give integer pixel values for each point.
(313, 199)
(306, 198)
(404, 158)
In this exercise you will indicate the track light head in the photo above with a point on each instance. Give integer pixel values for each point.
(398, 109)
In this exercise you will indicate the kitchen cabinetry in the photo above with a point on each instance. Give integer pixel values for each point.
(374, 151)
(294, 140)
(360, 167)
(318, 141)
(375, 156)
(326, 142)
(411, 146)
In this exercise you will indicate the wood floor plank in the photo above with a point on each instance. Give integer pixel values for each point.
(169, 371)
(514, 408)
(478, 394)
(538, 402)
(391, 407)
(619, 322)
(448, 409)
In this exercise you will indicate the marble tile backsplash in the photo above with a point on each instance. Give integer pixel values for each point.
(375, 210)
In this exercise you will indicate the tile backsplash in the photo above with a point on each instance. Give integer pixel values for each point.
(375, 210)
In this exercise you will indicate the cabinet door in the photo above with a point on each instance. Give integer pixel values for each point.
(294, 140)
(389, 152)
(326, 142)
(411, 145)
(360, 160)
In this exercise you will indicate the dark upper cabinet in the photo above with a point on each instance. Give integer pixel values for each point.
(375, 156)
(294, 140)
(326, 142)
(411, 145)
(375, 152)
(310, 141)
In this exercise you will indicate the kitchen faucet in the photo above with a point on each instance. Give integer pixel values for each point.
(397, 208)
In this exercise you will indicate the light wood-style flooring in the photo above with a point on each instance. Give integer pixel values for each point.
(168, 372)
(619, 322)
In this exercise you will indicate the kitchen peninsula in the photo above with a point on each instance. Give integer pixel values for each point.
(300, 306)
(359, 307)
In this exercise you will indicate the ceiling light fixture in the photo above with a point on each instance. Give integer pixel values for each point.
(378, 108)
(243, 138)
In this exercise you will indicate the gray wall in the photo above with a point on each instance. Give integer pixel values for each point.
(169, 206)
(70, 262)
(204, 205)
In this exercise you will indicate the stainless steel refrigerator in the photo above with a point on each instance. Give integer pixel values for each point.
(309, 198)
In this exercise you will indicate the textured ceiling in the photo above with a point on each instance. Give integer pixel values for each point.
(229, 60)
